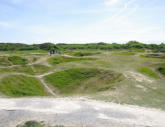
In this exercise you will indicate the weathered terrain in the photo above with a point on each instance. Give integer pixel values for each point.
(77, 112)
(121, 89)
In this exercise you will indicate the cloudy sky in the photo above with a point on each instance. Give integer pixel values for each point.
(82, 21)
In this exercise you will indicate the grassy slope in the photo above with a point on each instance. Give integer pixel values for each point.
(131, 91)
(4, 61)
(161, 69)
(19, 86)
(61, 59)
(40, 69)
(148, 72)
(84, 53)
(17, 60)
(18, 69)
(75, 80)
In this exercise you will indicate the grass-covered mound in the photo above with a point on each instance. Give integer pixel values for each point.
(153, 55)
(40, 69)
(125, 53)
(62, 59)
(82, 80)
(18, 69)
(162, 70)
(19, 86)
(17, 60)
(148, 72)
(4, 61)
(81, 54)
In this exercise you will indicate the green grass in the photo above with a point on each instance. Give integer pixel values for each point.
(31, 124)
(153, 55)
(81, 54)
(4, 61)
(37, 124)
(18, 69)
(17, 60)
(40, 69)
(24, 52)
(61, 59)
(82, 80)
(20, 86)
(148, 72)
(125, 53)
(162, 70)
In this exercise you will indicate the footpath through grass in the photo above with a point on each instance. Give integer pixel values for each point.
(20, 86)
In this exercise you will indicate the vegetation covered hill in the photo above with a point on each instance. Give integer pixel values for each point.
(101, 46)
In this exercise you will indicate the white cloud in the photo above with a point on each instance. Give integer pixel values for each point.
(111, 2)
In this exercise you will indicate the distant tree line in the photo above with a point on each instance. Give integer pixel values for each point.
(22, 47)
(114, 46)
(100, 46)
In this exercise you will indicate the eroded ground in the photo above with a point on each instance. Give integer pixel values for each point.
(77, 112)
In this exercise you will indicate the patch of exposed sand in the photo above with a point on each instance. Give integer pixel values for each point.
(137, 77)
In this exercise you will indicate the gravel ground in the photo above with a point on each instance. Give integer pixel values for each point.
(77, 112)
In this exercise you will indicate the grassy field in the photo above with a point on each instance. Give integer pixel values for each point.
(19, 86)
(125, 76)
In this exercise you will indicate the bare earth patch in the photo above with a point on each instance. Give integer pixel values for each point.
(77, 112)
(137, 76)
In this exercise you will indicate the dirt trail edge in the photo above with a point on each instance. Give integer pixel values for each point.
(77, 112)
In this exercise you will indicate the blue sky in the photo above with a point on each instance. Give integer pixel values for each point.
(82, 21)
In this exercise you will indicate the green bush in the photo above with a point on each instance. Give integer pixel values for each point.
(31, 124)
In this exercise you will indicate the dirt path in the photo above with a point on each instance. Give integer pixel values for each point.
(77, 112)
(137, 76)
(49, 90)
(42, 61)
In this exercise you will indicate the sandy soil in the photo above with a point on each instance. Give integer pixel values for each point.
(138, 77)
(77, 112)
